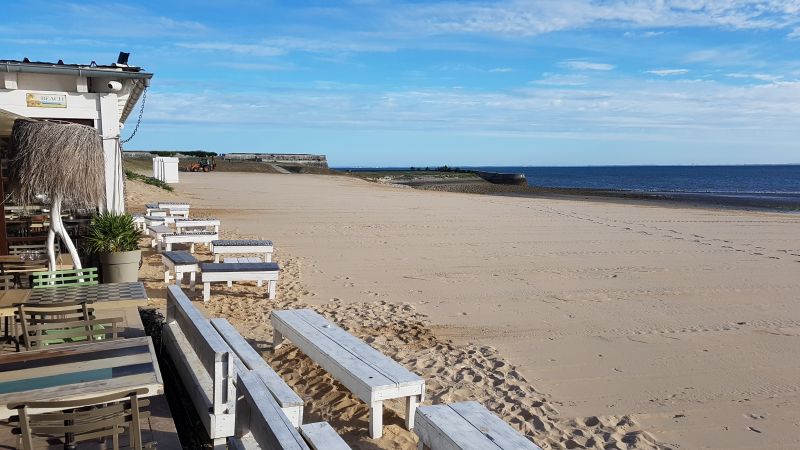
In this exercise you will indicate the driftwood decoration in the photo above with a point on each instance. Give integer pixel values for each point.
(62, 161)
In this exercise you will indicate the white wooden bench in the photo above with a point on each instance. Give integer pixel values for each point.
(466, 426)
(261, 424)
(290, 403)
(370, 375)
(160, 220)
(230, 272)
(157, 212)
(189, 237)
(242, 246)
(173, 208)
(157, 233)
(180, 262)
(139, 222)
(193, 224)
(204, 363)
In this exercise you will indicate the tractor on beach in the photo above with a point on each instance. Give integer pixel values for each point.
(202, 165)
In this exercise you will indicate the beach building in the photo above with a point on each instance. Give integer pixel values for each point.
(101, 96)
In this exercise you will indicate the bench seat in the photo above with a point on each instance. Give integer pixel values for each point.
(187, 237)
(242, 246)
(367, 373)
(185, 223)
(230, 272)
(180, 262)
(156, 233)
(466, 426)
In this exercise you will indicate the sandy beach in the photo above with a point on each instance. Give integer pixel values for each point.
(583, 324)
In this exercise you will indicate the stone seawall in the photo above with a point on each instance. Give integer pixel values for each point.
(280, 158)
(291, 159)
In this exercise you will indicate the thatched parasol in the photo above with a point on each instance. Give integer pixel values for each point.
(63, 161)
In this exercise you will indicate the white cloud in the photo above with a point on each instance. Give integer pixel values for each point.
(552, 79)
(253, 66)
(577, 64)
(501, 70)
(643, 34)
(655, 109)
(527, 18)
(245, 49)
(795, 34)
(755, 76)
(668, 72)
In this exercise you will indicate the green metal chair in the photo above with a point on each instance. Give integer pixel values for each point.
(61, 278)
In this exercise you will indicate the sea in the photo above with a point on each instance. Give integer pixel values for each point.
(769, 186)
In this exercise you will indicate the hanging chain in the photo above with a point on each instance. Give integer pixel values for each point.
(139, 120)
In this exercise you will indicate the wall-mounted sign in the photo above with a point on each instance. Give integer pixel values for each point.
(35, 100)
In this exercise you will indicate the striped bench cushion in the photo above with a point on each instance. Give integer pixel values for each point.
(180, 257)
(240, 243)
(239, 267)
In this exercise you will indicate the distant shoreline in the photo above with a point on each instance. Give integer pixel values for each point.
(471, 184)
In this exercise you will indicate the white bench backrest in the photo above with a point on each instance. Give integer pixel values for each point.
(209, 347)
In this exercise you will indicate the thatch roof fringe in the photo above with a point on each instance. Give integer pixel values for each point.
(60, 160)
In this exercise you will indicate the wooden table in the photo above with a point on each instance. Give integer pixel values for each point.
(69, 372)
(102, 296)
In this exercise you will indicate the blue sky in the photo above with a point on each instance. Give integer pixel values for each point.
(371, 82)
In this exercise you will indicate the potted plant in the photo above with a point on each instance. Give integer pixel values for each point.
(115, 239)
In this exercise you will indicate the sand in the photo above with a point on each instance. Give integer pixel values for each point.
(583, 324)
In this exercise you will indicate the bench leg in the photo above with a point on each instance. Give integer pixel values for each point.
(166, 275)
(411, 408)
(277, 339)
(216, 258)
(191, 248)
(192, 277)
(273, 285)
(169, 246)
(376, 420)
(178, 278)
(206, 291)
(230, 283)
(268, 257)
(220, 443)
(259, 283)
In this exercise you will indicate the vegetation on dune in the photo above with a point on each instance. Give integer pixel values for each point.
(148, 180)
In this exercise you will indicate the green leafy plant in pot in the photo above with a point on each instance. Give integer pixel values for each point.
(115, 239)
